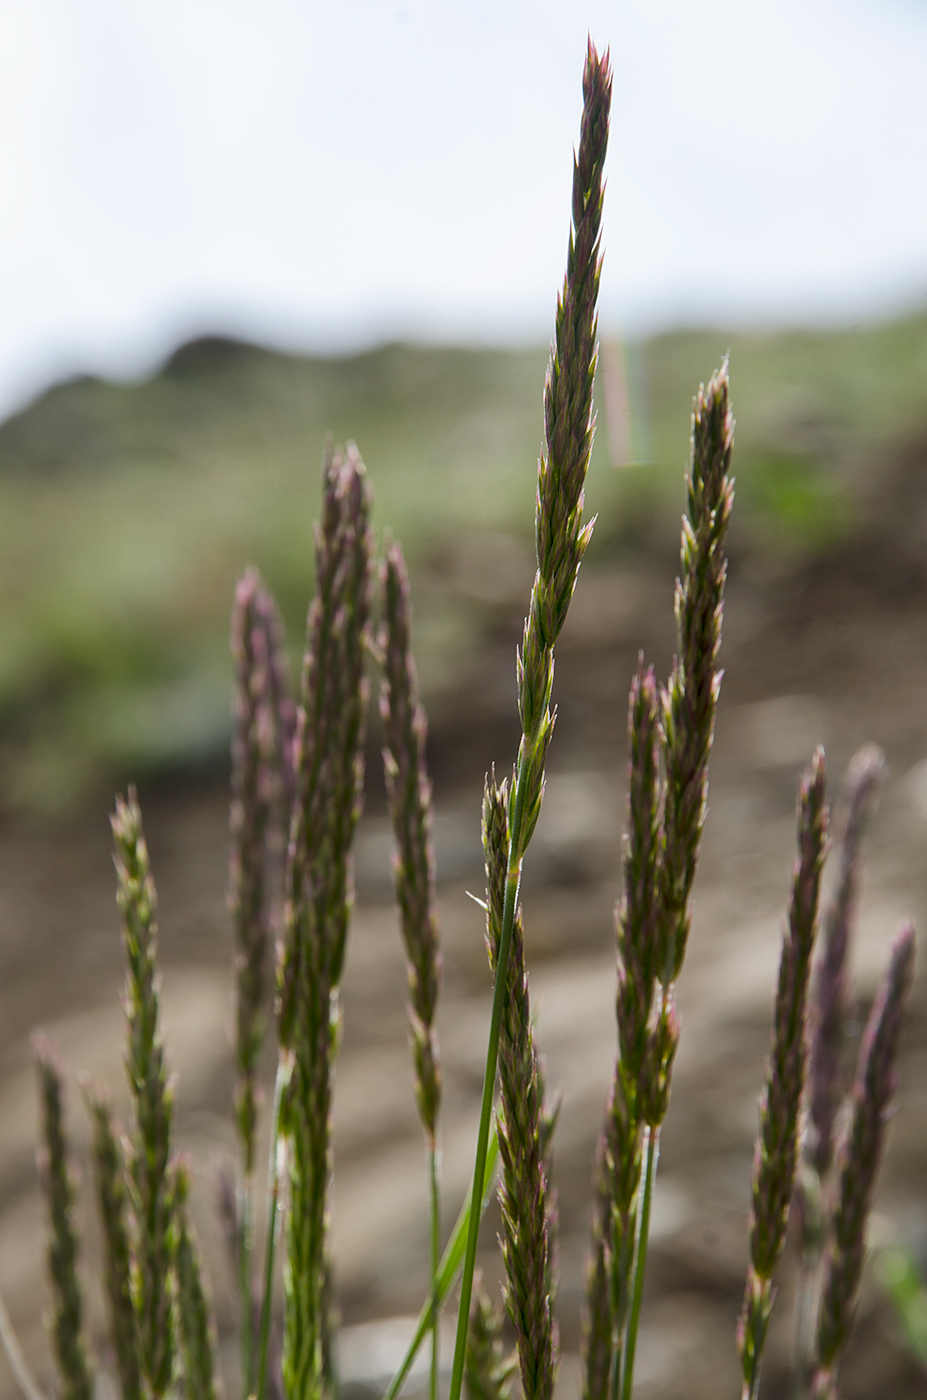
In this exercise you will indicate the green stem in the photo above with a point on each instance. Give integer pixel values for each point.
(447, 1273)
(435, 1260)
(640, 1259)
(512, 881)
(245, 1256)
(623, 1263)
(274, 1217)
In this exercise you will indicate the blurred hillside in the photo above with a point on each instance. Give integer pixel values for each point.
(127, 512)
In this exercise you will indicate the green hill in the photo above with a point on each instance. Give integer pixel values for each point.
(127, 511)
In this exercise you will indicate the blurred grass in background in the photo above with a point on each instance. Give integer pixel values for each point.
(128, 511)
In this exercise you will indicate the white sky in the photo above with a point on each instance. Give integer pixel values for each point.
(322, 175)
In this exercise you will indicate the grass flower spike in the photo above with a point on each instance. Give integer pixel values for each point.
(260, 754)
(569, 423)
(61, 1196)
(865, 776)
(408, 792)
(152, 1097)
(670, 737)
(620, 1151)
(858, 1163)
(262, 778)
(319, 895)
(113, 1202)
(690, 702)
(777, 1147)
(828, 1016)
(408, 795)
(561, 539)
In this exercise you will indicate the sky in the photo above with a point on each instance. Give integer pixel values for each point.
(324, 176)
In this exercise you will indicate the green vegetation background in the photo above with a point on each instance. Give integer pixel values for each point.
(128, 511)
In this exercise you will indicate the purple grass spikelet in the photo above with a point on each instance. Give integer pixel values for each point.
(263, 731)
(569, 423)
(777, 1147)
(261, 773)
(408, 792)
(329, 753)
(860, 792)
(858, 1161)
(636, 917)
(691, 699)
(619, 1155)
(670, 739)
(409, 799)
(827, 1017)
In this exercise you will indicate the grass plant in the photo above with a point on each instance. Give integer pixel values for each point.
(67, 1328)
(408, 791)
(561, 539)
(152, 1203)
(301, 764)
(858, 1161)
(112, 1202)
(329, 766)
(776, 1158)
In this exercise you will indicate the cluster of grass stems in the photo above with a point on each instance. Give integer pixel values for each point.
(298, 767)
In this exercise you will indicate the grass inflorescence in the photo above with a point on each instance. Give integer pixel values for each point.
(409, 797)
(329, 766)
(298, 772)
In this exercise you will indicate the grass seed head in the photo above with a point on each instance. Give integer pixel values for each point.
(60, 1190)
(859, 1156)
(409, 798)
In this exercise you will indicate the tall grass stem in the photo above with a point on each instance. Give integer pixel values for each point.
(447, 1269)
(648, 1178)
(245, 1266)
(276, 1167)
(435, 1264)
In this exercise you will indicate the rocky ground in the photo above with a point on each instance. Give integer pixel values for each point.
(836, 654)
